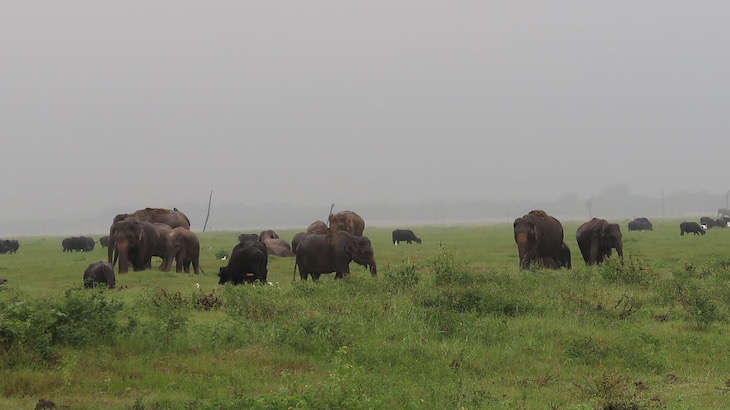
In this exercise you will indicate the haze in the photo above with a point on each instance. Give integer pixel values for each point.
(114, 106)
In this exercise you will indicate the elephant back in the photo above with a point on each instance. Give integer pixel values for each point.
(347, 221)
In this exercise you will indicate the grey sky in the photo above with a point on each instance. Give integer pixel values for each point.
(155, 103)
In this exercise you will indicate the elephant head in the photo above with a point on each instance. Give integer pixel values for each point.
(361, 251)
(609, 236)
(133, 241)
(525, 238)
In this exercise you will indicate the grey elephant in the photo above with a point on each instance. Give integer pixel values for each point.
(134, 242)
(171, 217)
(539, 239)
(596, 238)
(99, 272)
(183, 246)
(318, 254)
(347, 221)
(275, 245)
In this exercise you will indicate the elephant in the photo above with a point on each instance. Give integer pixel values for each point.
(78, 243)
(539, 239)
(171, 217)
(134, 242)
(596, 238)
(163, 230)
(347, 221)
(99, 272)
(182, 245)
(104, 241)
(318, 254)
(691, 227)
(317, 227)
(248, 263)
(295, 241)
(268, 234)
(278, 247)
(404, 235)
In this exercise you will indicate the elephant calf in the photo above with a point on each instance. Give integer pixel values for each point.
(99, 272)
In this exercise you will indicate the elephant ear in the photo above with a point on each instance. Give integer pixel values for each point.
(351, 247)
(533, 231)
(137, 227)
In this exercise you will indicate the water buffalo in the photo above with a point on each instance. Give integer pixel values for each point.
(404, 235)
(691, 227)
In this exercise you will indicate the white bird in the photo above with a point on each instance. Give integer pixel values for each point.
(197, 285)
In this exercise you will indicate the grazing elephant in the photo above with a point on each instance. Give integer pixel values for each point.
(134, 242)
(318, 254)
(248, 263)
(171, 217)
(99, 272)
(596, 238)
(318, 227)
(539, 239)
(691, 227)
(182, 245)
(78, 243)
(248, 237)
(404, 235)
(347, 221)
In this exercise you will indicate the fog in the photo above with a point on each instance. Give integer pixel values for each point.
(108, 107)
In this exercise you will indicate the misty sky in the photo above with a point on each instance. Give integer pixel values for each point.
(156, 103)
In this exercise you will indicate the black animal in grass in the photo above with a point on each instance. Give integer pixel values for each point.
(9, 245)
(640, 224)
(248, 262)
(404, 235)
(708, 222)
(564, 260)
(78, 243)
(99, 272)
(691, 227)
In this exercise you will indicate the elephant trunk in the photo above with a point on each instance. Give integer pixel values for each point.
(522, 243)
(123, 253)
(373, 268)
(110, 251)
(620, 251)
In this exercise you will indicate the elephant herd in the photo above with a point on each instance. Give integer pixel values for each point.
(539, 239)
(321, 249)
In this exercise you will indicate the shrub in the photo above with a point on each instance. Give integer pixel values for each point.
(449, 272)
(402, 277)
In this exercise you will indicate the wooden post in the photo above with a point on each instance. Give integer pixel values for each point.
(210, 198)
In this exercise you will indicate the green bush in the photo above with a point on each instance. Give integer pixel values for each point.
(402, 277)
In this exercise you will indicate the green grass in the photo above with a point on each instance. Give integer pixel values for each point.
(451, 323)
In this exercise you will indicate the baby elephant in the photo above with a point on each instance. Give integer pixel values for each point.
(99, 272)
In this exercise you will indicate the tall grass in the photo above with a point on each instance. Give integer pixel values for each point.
(451, 323)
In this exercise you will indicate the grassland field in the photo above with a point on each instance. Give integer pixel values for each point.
(451, 323)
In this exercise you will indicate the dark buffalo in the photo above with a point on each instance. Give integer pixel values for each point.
(248, 262)
(640, 224)
(691, 227)
(104, 241)
(99, 272)
(9, 245)
(404, 235)
(78, 243)
(708, 222)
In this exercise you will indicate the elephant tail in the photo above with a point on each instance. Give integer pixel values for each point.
(294, 276)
